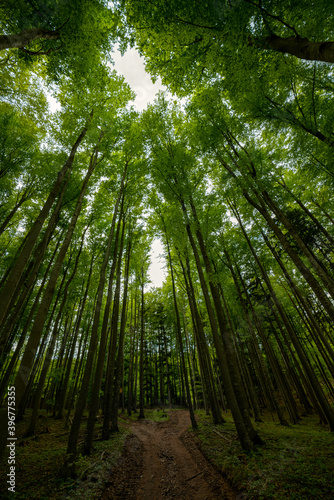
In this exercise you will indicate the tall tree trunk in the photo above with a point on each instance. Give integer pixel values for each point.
(109, 383)
(120, 355)
(133, 355)
(22, 377)
(30, 278)
(179, 334)
(226, 335)
(95, 397)
(133, 350)
(244, 437)
(37, 328)
(40, 350)
(190, 359)
(22, 39)
(329, 413)
(300, 47)
(169, 393)
(27, 325)
(10, 286)
(77, 372)
(52, 342)
(303, 269)
(81, 308)
(141, 363)
(202, 347)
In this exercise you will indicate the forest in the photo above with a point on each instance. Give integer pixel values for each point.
(232, 170)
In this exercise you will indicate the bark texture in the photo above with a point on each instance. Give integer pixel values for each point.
(22, 39)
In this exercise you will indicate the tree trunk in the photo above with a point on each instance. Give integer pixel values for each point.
(133, 350)
(15, 356)
(37, 328)
(52, 342)
(120, 355)
(141, 363)
(245, 439)
(303, 269)
(22, 39)
(300, 47)
(303, 359)
(109, 383)
(9, 288)
(202, 347)
(30, 278)
(226, 335)
(179, 334)
(94, 402)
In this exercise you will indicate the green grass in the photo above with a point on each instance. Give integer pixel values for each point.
(157, 415)
(39, 461)
(296, 462)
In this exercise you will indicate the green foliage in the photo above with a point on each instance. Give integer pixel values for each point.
(186, 43)
(295, 462)
(257, 125)
(40, 459)
(84, 31)
(156, 415)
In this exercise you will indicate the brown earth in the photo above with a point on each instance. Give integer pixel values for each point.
(162, 460)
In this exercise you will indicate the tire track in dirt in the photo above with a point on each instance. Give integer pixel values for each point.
(161, 460)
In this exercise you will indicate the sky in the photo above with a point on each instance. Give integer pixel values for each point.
(131, 66)
(157, 271)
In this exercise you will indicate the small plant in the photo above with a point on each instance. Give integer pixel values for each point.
(296, 462)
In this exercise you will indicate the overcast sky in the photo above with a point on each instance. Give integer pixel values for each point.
(157, 271)
(131, 66)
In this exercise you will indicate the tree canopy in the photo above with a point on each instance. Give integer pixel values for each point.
(235, 180)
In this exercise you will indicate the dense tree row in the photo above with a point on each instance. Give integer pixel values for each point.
(236, 183)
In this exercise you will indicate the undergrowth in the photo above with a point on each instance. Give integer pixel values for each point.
(156, 414)
(39, 461)
(295, 463)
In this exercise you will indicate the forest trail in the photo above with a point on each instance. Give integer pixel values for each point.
(161, 460)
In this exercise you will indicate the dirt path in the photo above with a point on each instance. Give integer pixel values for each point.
(161, 460)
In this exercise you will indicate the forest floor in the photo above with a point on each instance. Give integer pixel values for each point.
(296, 462)
(161, 457)
(162, 460)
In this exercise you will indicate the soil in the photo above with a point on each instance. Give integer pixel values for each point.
(162, 460)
